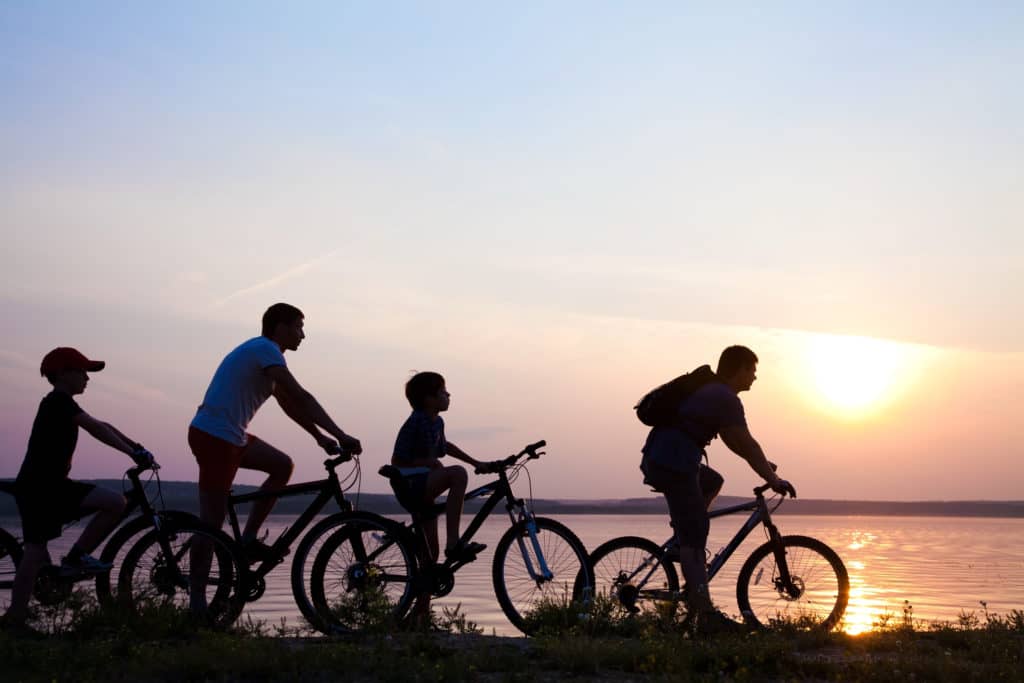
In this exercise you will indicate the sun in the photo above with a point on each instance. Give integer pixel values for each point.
(855, 376)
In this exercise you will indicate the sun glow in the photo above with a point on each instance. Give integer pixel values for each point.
(855, 376)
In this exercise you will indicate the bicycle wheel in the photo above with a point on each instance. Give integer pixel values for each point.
(521, 590)
(364, 577)
(10, 557)
(157, 571)
(630, 574)
(818, 595)
(114, 552)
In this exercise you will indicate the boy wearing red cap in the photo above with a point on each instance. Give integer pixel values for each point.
(47, 498)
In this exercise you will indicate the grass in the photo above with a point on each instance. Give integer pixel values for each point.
(95, 644)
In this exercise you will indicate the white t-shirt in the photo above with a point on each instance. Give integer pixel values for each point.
(238, 389)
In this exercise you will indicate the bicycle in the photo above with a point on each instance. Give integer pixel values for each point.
(788, 579)
(162, 529)
(362, 567)
(333, 487)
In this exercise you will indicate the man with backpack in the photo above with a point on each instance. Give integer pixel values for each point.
(686, 414)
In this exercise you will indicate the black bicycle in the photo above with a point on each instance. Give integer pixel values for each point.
(161, 580)
(332, 488)
(366, 567)
(789, 579)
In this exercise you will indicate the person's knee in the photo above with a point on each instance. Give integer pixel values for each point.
(457, 476)
(283, 469)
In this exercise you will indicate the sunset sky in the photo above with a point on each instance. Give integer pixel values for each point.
(556, 205)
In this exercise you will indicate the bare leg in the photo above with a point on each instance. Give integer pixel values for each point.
(109, 506)
(212, 509)
(452, 479)
(261, 456)
(32, 560)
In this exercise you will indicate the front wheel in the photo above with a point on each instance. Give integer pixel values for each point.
(633, 574)
(540, 564)
(815, 596)
(170, 565)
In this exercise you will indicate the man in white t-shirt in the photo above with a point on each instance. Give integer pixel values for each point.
(244, 380)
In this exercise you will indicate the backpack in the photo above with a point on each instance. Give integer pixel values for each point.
(659, 406)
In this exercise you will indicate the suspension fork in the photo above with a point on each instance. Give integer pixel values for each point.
(539, 573)
(784, 581)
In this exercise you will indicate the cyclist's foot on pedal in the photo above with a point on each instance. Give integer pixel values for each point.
(256, 550)
(465, 552)
(82, 564)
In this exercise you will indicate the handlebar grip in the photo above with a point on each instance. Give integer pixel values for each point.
(534, 446)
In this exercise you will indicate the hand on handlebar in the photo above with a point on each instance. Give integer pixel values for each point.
(784, 487)
(144, 459)
(489, 467)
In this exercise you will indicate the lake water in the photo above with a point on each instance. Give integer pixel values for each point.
(942, 566)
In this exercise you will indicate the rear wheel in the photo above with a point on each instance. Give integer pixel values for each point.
(157, 571)
(631, 573)
(815, 596)
(10, 558)
(523, 591)
(364, 577)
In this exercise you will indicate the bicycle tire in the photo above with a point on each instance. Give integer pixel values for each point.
(818, 573)
(622, 563)
(518, 593)
(10, 558)
(364, 577)
(306, 552)
(117, 547)
(147, 578)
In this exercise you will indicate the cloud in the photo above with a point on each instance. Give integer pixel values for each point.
(277, 279)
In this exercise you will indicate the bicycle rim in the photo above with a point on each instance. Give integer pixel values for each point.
(529, 599)
(10, 556)
(363, 578)
(816, 597)
(629, 575)
(153, 577)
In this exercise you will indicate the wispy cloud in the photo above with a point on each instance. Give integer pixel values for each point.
(294, 272)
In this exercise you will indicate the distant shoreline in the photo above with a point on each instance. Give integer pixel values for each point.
(181, 495)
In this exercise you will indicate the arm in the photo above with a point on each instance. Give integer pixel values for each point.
(740, 441)
(306, 411)
(104, 433)
(134, 444)
(299, 416)
(459, 454)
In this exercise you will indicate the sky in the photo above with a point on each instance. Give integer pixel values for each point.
(556, 205)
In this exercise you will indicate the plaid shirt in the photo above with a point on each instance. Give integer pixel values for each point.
(421, 437)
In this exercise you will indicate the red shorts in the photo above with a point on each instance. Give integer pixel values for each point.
(218, 459)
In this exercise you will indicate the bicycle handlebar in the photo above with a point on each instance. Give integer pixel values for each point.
(344, 457)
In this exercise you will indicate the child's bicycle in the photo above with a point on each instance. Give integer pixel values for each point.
(789, 579)
(364, 567)
(138, 583)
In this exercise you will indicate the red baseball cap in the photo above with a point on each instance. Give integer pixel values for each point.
(66, 358)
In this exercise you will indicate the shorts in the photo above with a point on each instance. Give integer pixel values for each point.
(46, 507)
(685, 500)
(218, 459)
(411, 488)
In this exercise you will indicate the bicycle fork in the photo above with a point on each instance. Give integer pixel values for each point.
(539, 572)
(784, 583)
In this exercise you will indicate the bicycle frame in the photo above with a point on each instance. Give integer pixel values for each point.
(326, 489)
(499, 489)
(759, 515)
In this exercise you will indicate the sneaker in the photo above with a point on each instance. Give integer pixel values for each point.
(256, 551)
(83, 564)
(465, 552)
